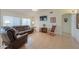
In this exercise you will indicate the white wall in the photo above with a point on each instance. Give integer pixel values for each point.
(10, 12)
(48, 24)
(0, 17)
(35, 17)
(1, 20)
(75, 31)
(56, 13)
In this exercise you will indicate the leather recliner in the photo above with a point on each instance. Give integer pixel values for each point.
(16, 40)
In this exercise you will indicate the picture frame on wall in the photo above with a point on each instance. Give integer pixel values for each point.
(52, 19)
(43, 18)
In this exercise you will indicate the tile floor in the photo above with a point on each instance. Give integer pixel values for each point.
(40, 40)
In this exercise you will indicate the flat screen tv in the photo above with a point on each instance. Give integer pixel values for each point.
(43, 18)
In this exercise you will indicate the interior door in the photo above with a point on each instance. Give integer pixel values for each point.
(66, 24)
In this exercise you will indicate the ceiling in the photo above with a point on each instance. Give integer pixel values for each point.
(25, 11)
(30, 10)
(31, 13)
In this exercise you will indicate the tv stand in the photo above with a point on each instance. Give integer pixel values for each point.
(43, 29)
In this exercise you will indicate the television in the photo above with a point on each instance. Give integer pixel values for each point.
(43, 18)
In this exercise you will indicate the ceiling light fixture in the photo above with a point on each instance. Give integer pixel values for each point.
(74, 11)
(34, 9)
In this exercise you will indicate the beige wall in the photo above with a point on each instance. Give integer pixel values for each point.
(48, 24)
(56, 13)
(35, 17)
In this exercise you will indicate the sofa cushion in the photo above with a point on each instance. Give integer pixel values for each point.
(21, 28)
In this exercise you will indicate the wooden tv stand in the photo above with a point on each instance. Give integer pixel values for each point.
(44, 30)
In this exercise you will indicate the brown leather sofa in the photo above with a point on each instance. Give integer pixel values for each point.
(16, 41)
(17, 35)
(21, 29)
(24, 29)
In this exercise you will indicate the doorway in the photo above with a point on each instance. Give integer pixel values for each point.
(66, 24)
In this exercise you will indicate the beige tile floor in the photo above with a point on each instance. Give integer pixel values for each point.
(40, 40)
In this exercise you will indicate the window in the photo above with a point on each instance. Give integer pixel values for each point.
(15, 21)
(26, 21)
(11, 21)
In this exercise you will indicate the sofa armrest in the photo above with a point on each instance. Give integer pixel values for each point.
(21, 40)
(22, 36)
(22, 32)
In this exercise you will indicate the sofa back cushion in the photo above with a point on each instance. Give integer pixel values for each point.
(21, 28)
